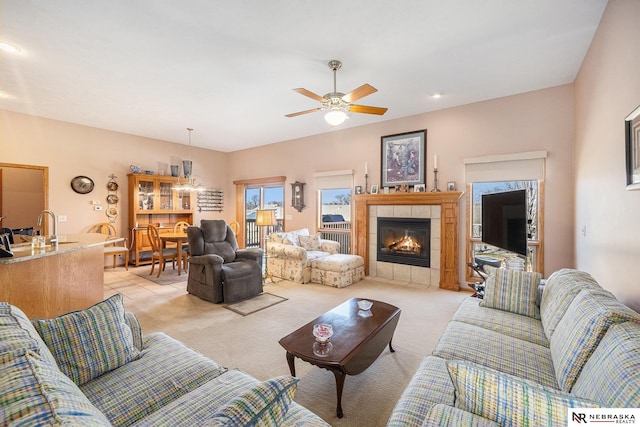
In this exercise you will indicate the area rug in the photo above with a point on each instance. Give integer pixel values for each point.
(168, 277)
(257, 303)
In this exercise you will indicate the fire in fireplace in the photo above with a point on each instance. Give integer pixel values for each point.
(404, 241)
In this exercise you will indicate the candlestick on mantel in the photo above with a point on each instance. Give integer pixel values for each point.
(435, 181)
(435, 161)
(366, 168)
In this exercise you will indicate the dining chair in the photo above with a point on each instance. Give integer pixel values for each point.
(158, 252)
(181, 227)
(113, 249)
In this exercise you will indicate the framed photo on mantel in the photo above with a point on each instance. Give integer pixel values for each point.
(632, 148)
(403, 158)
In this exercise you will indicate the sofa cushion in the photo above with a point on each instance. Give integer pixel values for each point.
(430, 385)
(310, 243)
(166, 370)
(265, 405)
(33, 392)
(587, 319)
(198, 406)
(559, 291)
(461, 341)
(612, 374)
(88, 343)
(511, 324)
(509, 400)
(513, 291)
(444, 416)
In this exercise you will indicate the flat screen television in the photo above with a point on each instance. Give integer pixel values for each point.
(504, 220)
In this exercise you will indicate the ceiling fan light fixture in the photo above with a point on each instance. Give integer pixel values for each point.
(336, 117)
(6, 47)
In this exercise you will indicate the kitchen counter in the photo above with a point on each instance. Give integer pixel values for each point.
(55, 280)
(67, 243)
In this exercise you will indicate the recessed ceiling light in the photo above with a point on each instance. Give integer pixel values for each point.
(436, 95)
(3, 95)
(9, 48)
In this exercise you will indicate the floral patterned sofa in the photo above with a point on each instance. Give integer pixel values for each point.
(289, 254)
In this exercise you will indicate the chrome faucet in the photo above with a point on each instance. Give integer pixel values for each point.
(54, 237)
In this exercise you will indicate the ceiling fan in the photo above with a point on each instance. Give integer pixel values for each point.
(337, 103)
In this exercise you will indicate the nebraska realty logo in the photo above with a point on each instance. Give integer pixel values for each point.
(582, 416)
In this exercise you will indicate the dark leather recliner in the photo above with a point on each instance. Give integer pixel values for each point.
(218, 270)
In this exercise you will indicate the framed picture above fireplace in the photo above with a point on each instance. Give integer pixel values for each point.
(403, 158)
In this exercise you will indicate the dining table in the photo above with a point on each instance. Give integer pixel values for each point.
(179, 239)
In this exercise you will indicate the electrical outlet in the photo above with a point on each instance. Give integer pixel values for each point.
(62, 218)
(97, 208)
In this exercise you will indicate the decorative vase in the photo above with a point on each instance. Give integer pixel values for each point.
(174, 170)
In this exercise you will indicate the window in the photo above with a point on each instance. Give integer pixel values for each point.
(334, 221)
(475, 247)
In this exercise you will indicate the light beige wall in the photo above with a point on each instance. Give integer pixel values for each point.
(70, 150)
(607, 89)
(540, 120)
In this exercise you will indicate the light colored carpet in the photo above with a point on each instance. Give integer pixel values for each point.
(250, 343)
(257, 303)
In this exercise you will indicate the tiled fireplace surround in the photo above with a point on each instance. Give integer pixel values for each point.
(417, 276)
(441, 207)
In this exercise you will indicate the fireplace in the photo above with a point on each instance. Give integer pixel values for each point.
(404, 241)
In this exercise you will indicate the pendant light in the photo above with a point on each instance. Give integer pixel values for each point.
(187, 164)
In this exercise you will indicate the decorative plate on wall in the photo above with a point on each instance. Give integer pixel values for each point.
(112, 199)
(82, 184)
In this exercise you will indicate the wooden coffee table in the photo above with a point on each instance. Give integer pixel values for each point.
(358, 339)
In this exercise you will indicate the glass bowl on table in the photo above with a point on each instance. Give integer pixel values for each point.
(322, 333)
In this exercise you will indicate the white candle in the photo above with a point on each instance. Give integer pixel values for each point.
(435, 161)
(366, 168)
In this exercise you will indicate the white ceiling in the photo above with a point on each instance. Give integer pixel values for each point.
(227, 68)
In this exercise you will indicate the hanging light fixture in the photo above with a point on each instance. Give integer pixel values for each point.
(187, 164)
(335, 117)
(187, 170)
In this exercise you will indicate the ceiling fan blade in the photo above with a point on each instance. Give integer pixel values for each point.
(299, 113)
(367, 109)
(361, 92)
(310, 94)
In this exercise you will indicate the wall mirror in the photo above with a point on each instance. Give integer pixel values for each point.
(24, 193)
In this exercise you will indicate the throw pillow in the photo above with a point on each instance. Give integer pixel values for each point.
(514, 291)
(509, 400)
(88, 343)
(264, 405)
(310, 243)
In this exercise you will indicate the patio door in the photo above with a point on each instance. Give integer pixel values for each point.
(253, 195)
(256, 198)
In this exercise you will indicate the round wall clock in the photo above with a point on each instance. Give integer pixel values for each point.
(82, 184)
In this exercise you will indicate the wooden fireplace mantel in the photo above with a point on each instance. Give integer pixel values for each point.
(447, 200)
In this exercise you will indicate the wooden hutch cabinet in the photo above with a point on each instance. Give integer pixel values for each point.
(153, 200)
